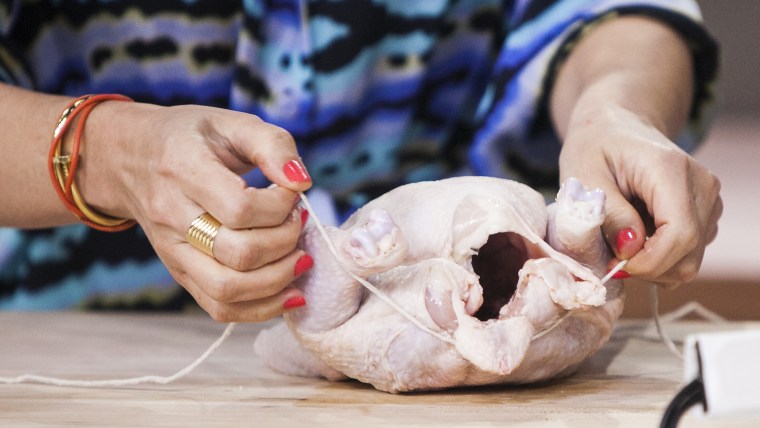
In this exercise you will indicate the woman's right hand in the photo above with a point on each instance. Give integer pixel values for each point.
(165, 166)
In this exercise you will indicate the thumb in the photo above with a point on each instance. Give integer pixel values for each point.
(623, 228)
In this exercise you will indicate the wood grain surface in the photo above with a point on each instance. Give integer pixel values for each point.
(628, 383)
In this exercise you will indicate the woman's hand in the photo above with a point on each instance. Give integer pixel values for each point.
(624, 92)
(165, 166)
(654, 190)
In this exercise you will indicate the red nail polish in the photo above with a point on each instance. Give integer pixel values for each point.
(621, 274)
(304, 216)
(303, 264)
(624, 237)
(296, 172)
(294, 302)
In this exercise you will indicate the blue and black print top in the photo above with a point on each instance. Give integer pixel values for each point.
(377, 93)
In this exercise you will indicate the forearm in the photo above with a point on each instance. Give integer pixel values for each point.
(28, 119)
(627, 64)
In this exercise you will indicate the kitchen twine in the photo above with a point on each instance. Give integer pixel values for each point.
(31, 378)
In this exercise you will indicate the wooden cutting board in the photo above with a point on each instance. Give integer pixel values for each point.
(628, 383)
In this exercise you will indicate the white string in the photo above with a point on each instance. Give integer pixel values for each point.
(374, 290)
(693, 307)
(552, 327)
(30, 378)
(606, 278)
(690, 307)
(656, 316)
(618, 267)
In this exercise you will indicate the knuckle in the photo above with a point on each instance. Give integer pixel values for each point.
(170, 167)
(245, 256)
(280, 136)
(716, 184)
(687, 271)
(670, 286)
(717, 209)
(688, 235)
(293, 236)
(690, 239)
(220, 313)
(160, 211)
(236, 216)
(677, 159)
(220, 290)
(284, 214)
(181, 276)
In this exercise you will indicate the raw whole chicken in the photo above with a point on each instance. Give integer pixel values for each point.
(506, 288)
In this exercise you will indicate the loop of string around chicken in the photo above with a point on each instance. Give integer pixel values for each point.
(31, 378)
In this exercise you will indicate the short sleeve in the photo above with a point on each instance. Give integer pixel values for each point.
(515, 137)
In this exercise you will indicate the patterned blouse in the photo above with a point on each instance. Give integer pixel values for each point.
(377, 93)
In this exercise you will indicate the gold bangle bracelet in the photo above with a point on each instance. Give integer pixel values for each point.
(65, 114)
(61, 165)
(61, 168)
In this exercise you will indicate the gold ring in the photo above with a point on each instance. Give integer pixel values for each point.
(202, 232)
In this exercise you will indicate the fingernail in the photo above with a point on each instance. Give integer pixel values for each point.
(294, 302)
(303, 264)
(304, 216)
(624, 237)
(296, 172)
(621, 274)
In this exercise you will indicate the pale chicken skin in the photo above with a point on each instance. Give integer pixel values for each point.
(512, 284)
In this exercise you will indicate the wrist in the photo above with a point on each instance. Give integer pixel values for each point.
(611, 103)
(107, 157)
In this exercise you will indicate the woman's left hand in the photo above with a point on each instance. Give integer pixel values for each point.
(662, 205)
(624, 91)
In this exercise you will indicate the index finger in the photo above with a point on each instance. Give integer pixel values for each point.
(236, 205)
(237, 141)
(269, 147)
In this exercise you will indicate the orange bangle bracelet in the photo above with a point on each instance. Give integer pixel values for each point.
(62, 168)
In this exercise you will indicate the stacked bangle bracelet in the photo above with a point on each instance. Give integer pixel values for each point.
(62, 168)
